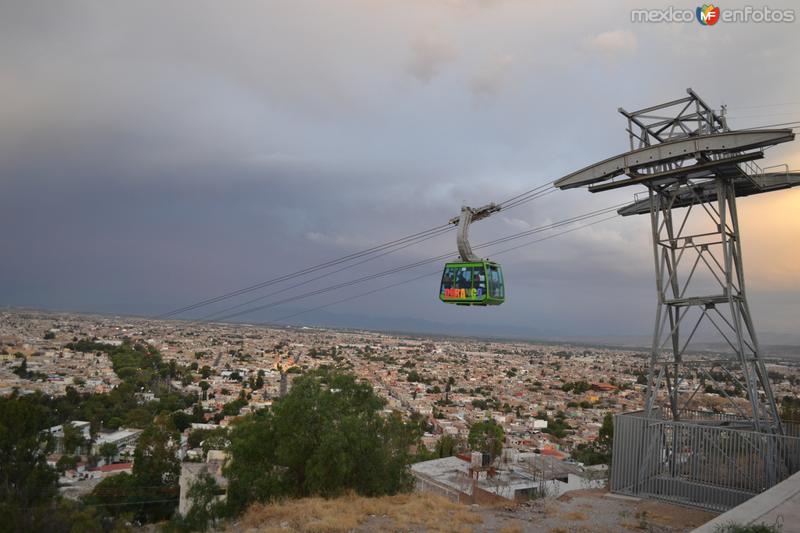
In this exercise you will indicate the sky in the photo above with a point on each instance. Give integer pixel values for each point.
(154, 154)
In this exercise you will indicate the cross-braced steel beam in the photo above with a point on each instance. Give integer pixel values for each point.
(694, 167)
(701, 295)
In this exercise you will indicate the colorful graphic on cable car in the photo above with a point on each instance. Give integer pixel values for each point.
(462, 293)
(478, 283)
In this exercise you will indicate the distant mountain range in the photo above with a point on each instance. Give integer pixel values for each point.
(772, 343)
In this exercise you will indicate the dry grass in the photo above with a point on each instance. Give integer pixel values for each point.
(318, 515)
(514, 527)
(663, 520)
(551, 509)
(632, 526)
(574, 516)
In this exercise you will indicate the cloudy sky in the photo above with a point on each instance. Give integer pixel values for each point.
(153, 154)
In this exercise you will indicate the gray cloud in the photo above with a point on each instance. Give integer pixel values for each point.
(428, 55)
(155, 154)
(492, 76)
(612, 43)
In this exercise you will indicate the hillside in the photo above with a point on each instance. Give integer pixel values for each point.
(579, 511)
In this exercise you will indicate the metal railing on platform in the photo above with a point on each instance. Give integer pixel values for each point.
(705, 461)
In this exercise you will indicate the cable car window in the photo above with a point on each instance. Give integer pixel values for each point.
(464, 278)
(502, 286)
(479, 280)
(497, 282)
(448, 278)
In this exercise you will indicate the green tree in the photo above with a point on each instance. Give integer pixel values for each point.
(446, 446)
(216, 439)
(73, 516)
(66, 462)
(333, 415)
(578, 387)
(599, 451)
(108, 451)
(181, 420)
(156, 470)
(138, 417)
(195, 438)
(151, 493)
(27, 483)
(326, 436)
(117, 494)
(73, 439)
(198, 415)
(205, 508)
(22, 369)
(204, 386)
(253, 474)
(487, 437)
(210, 439)
(790, 409)
(233, 407)
(114, 423)
(480, 404)
(606, 434)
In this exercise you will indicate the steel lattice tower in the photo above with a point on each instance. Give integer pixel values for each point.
(693, 168)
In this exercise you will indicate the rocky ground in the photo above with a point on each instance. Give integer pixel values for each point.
(594, 511)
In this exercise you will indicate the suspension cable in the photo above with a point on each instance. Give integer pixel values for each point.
(436, 272)
(395, 270)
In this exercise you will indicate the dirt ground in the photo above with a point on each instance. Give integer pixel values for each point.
(594, 510)
(579, 511)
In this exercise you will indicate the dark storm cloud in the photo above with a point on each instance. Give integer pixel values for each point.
(153, 154)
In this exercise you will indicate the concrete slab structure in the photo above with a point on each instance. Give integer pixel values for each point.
(779, 505)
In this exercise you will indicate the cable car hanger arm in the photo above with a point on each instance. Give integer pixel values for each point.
(467, 216)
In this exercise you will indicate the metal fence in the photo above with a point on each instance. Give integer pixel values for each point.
(706, 462)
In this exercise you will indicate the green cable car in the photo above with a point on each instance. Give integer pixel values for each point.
(472, 283)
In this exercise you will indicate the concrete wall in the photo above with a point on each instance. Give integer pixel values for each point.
(424, 484)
